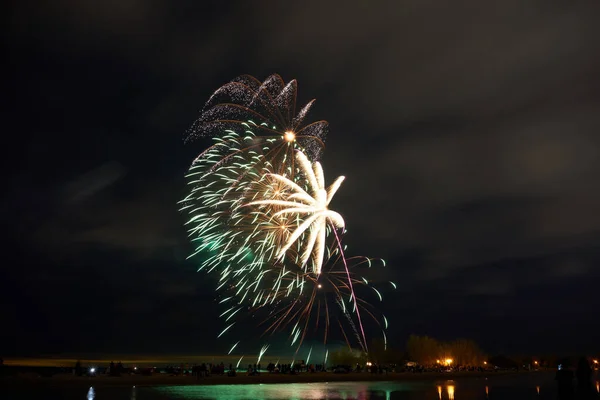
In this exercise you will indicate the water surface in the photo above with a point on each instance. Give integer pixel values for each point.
(516, 387)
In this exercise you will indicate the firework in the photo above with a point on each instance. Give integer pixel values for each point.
(311, 207)
(259, 216)
(270, 108)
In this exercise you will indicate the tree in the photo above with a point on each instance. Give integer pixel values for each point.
(378, 352)
(423, 349)
(464, 352)
(346, 356)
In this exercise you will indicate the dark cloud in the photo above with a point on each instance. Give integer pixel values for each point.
(94, 181)
(144, 225)
(467, 132)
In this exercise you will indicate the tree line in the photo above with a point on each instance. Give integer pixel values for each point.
(423, 350)
(428, 351)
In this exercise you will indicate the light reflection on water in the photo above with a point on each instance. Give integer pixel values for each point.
(298, 391)
(309, 391)
(522, 387)
(450, 389)
(91, 394)
(444, 390)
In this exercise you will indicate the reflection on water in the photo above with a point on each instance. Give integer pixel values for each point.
(346, 390)
(473, 389)
(450, 389)
(333, 390)
(447, 390)
(513, 387)
(91, 394)
(598, 386)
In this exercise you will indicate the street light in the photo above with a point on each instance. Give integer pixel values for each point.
(448, 361)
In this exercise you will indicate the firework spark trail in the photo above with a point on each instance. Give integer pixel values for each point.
(346, 314)
(271, 103)
(262, 353)
(357, 308)
(353, 325)
(259, 217)
(314, 206)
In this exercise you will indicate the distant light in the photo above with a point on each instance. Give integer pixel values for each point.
(448, 361)
(135, 368)
(319, 286)
(485, 363)
(595, 361)
(535, 362)
(92, 370)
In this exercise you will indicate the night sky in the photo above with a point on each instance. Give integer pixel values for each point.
(469, 135)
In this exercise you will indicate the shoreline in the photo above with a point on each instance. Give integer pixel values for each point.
(243, 379)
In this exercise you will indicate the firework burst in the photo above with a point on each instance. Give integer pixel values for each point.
(312, 208)
(259, 217)
(270, 107)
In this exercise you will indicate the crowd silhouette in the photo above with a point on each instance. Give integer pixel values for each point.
(565, 379)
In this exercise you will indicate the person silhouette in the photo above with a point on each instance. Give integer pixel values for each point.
(564, 380)
(584, 377)
(78, 370)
